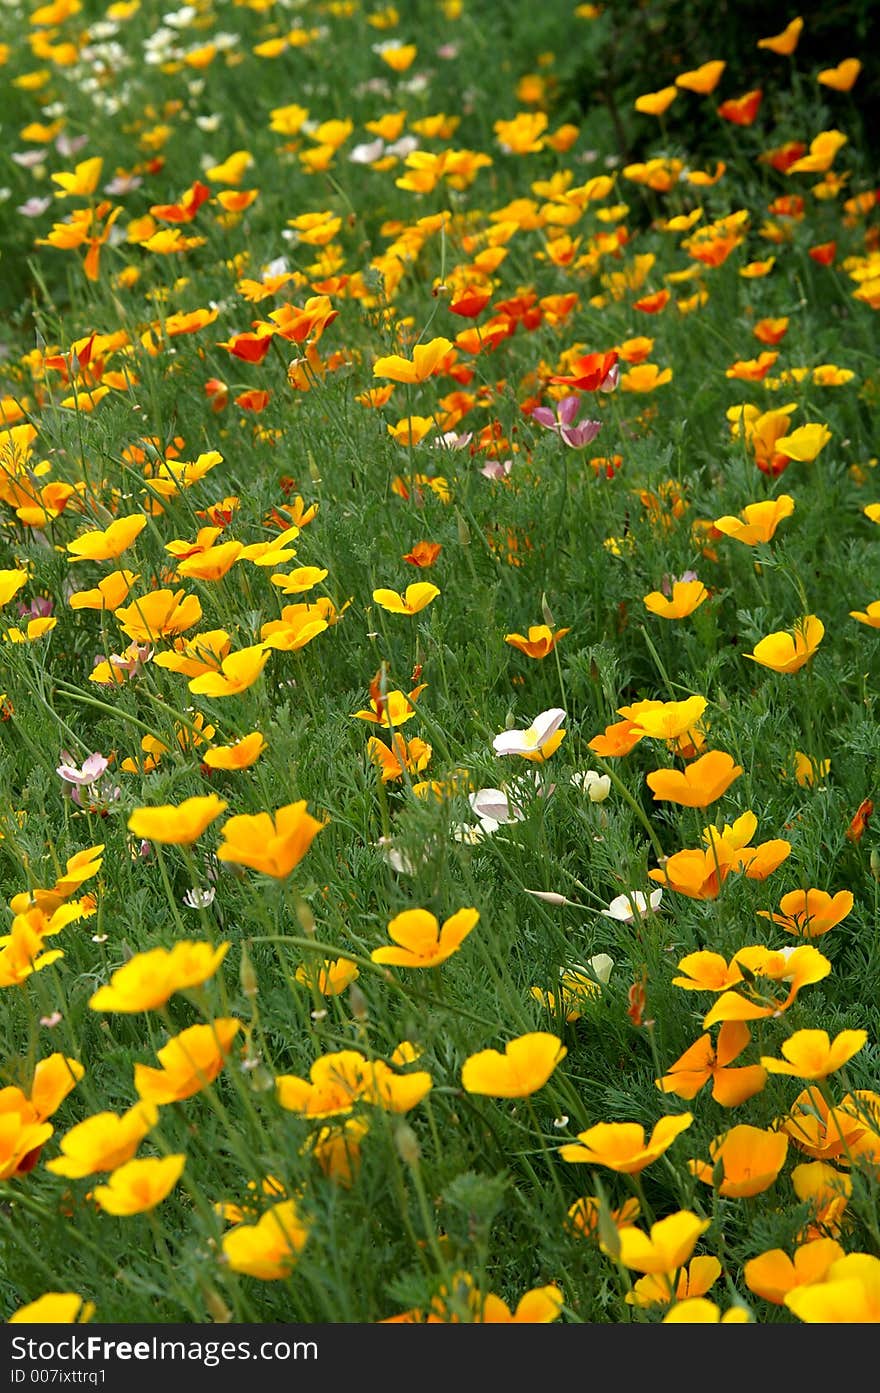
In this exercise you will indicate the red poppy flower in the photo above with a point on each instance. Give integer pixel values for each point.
(824, 253)
(742, 110)
(594, 372)
(470, 303)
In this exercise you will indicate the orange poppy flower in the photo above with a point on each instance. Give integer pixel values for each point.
(423, 554)
(774, 1274)
(420, 939)
(687, 595)
(749, 1158)
(786, 42)
(756, 1000)
(540, 642)
(823, 1131)
(703, 1062)
(843, 77)
(758, 521)
(700, 784)
(699, 874)
(703, 79)
(810, 913)
(426, 359)
(523, 1068)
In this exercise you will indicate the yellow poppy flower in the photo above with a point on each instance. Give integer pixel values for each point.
(176, 824)
(421, 940)
(139, 1186)
(523, 1068)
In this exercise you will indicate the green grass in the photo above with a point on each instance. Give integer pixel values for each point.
(461, 1182)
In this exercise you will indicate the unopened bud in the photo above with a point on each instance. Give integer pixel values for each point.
(875, 864)
(596, 786)
(314, 471)
(246, 974)
(305, 916)
(407, 1144)
(509, 721)
(357, 1002)
(216, 1306)
(464, 532)
(261, 1079)
(549, 897)
(547, 613)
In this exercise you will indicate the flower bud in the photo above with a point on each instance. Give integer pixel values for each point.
(246, 974)
(261, 1079)
(407, 1144)
(215, 1305)
(305, 916)
(357, 1002)
(596, 786)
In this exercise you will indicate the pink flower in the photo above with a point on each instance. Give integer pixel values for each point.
(497, 469)
(39, 608)
(452, 440)
(34, 207)
(69, 145)
(132, 660)
(668, 581)
(562, 423)
(123, 183)
(92, 769)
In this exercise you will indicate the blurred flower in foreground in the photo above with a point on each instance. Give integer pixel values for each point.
(849, 1293)
(269, 1248)
(55, 1308)
(139, 1186)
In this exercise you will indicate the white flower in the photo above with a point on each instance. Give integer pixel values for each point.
(470, 833)
(368, 153)
(196, 898)
(398, 860)
(625, 908)
(596, 786)
(532, 740)
(493, 805)
(402, 147)
(600, 966)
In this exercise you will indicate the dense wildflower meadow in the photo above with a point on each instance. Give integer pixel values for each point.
(439, 537)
